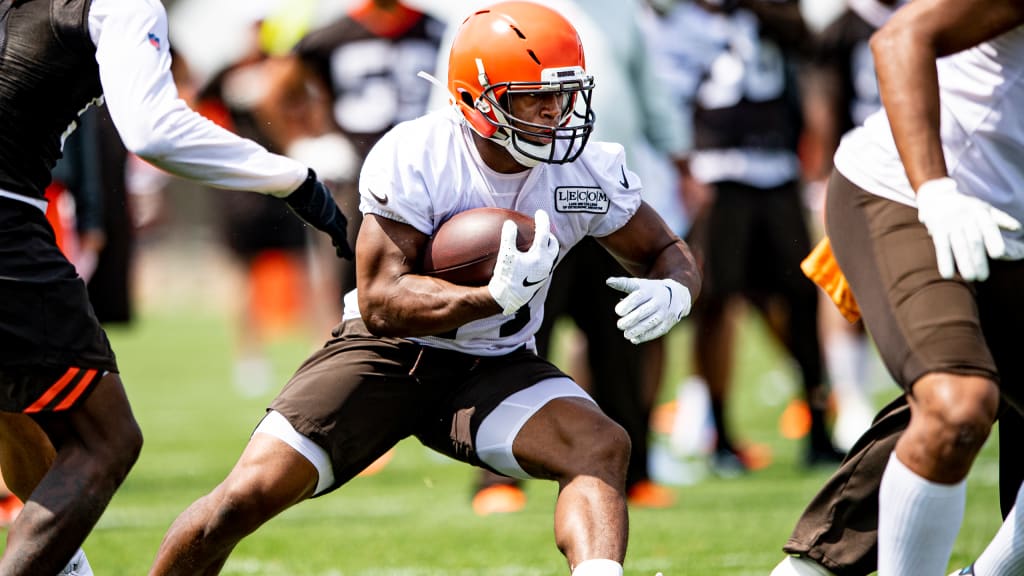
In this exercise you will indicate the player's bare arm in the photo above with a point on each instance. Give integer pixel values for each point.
(665, 280)
(905, 50)
(397, 301)
(648, 249)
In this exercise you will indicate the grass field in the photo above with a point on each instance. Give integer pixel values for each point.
(414, 518)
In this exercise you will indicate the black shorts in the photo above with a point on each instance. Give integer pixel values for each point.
(53, 348)
(361, 394)
(255, 223)
(752, 241)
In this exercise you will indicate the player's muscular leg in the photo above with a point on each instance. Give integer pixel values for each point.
(97, 442)
(269, 477)
(571, 441)
(951, 418)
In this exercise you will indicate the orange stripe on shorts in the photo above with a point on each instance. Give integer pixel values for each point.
(52, 392)
(82, 385)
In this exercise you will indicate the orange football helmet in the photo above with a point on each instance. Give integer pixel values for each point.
(522, 47)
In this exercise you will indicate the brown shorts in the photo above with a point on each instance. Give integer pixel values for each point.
(920, 321)
(360, 394)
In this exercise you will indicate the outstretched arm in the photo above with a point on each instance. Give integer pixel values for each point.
(134, 62)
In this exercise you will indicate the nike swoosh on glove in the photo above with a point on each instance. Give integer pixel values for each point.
(651, 308)
(312, 202)
(519, 275)
(965, 230)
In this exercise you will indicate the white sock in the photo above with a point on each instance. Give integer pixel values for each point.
(1004, 555)
(918, 521)
(847, 355)
(597, 567)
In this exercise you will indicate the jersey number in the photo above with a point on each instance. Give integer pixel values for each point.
(751, 68)
(375, 83)
(512, 326)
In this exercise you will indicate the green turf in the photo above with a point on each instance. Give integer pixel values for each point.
(414, 518)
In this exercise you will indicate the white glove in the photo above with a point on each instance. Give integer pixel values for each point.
(519, 275)
(964, 229)
(652, 307)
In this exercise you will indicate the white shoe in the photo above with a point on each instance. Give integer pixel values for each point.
(79, 566)
(799, 566)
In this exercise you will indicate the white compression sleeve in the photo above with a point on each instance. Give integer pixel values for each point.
(134, 59)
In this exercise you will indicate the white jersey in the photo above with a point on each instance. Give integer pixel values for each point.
(981, 91)
(425, 171)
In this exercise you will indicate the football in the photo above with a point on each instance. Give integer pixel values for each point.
(464, 248)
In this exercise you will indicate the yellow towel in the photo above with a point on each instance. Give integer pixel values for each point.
(821, 267)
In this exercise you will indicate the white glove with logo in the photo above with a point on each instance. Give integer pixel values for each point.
(964, 229)
(519, 275)
(651, 308)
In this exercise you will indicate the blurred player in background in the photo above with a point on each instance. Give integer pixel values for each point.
(453, 365)
(265, 238)
(349, 82)
(737, 58)
(69, 437)
(840, 91)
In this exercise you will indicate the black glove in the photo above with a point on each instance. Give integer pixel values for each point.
(312, 202)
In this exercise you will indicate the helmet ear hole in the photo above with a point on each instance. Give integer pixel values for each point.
(480, 123)
(475, 117)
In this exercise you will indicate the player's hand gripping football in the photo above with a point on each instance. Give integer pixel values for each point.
(651, 308)
(965, 230)
(519, 275)
(312, 202)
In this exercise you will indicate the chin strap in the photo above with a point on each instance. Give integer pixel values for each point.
(512, 145)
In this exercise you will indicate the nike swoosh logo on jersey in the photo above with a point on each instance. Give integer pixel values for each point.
(379, 199)
(624, 181)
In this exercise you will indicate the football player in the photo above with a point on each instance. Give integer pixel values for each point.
(67, 431)
(923, 213)
(455, 365)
